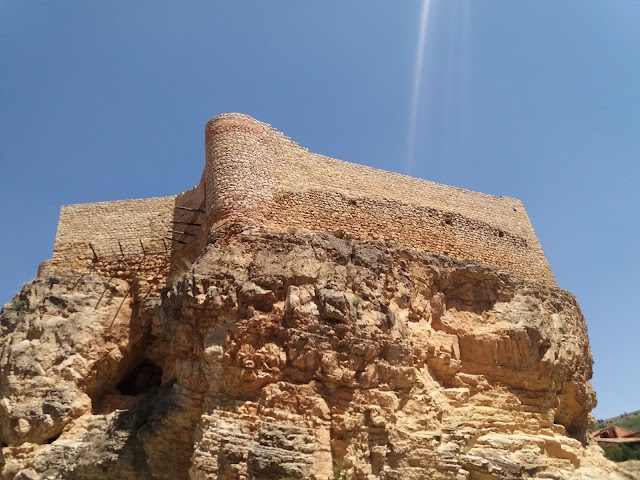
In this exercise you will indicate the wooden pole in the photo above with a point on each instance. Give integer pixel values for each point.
(188, 223)
(176, 240)
(95, 255)
(190, 209)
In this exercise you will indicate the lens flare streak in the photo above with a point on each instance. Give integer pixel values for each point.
(417, 81)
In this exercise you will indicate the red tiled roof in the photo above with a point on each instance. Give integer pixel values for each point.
(613, 432)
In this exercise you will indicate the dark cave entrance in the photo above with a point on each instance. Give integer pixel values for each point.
(141, 379)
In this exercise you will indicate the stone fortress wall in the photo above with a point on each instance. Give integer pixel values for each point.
(255, 176)
(124, 239)
(132, 227)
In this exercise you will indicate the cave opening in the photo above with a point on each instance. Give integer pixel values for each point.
(141, 379)
(50, 440)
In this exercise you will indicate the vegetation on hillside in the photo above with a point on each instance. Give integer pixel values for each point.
(622, 452)
(630, 421)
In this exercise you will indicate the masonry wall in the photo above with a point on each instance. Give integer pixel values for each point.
(189, 236)
(255, 175)
(125, 239)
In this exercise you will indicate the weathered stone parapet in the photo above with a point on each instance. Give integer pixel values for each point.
(256, 176)
(114, 228)
(125, 239)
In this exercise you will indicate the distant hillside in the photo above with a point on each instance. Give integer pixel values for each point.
(630, 421)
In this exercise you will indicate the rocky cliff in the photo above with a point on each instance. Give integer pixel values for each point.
(298, 355)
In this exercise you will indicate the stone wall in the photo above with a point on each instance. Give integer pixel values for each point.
(125, 239)
(189, 237)
(255, 175)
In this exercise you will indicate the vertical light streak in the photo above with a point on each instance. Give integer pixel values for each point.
(417, 81)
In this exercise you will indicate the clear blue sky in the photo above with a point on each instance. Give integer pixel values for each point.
(534, 99)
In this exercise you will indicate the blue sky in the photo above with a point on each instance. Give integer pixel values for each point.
(534, 99)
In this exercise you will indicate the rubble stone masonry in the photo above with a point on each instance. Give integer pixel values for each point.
(255, 176)
(123, 239)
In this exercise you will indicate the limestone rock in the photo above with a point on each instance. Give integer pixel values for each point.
(299, 355)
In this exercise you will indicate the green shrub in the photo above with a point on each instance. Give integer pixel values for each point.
(17, 304)
(339, 473)
(630, 421)
(622, 452)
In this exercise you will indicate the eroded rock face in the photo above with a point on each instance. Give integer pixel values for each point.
(298, 355)
(64, 339)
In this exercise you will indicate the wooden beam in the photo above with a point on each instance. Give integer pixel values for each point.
(188, 223)
(190, 209)
(176, 240)
(95, 255)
